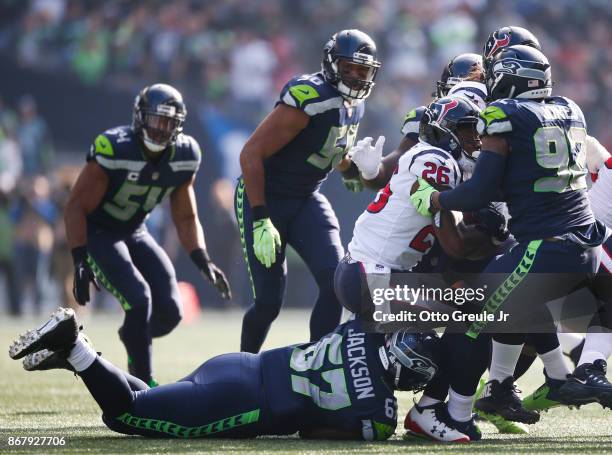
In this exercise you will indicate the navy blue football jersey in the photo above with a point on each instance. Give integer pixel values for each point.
(410, 127)
(544, 183)
(299, 168)
(337, 383)
(135, 184)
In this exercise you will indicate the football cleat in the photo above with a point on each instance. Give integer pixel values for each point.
(50, 360)
(501, 398)
(503, 426)
(59, 332)
(546, 396)
(588, 384)
(433, 423)
(47, 360)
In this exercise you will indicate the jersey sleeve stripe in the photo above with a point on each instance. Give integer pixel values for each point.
(322, 106)
(499, 127)
(129, 165)
(411, 126)
(289, 100)
(185, 165)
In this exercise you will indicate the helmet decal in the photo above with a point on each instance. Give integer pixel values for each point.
(498, 44)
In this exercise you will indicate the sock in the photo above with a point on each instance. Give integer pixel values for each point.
(427, 401)
(597, 345)
(569, 341)
(554, 363)
(459, 406)
(82, 354)
(503, 360)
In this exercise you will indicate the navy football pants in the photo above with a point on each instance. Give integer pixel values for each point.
(224, 397)
(139, 273)
(533, 273)
(310, 226)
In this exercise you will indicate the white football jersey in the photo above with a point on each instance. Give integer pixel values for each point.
(390, 232)
(600, 194)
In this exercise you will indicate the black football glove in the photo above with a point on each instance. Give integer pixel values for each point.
(83, 275)
(492, 221)
(213, 273)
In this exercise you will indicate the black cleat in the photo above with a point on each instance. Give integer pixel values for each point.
(59, 332)
(50, 360)
(502, 399)
(47, 360)
(588, 384)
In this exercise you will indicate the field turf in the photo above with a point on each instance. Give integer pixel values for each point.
(56, 403)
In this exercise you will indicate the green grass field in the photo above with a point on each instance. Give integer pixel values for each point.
(55, 403)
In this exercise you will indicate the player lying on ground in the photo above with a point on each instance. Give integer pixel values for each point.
(340, 387)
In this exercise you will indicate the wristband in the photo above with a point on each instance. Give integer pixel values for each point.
(79, 254)
(200, 258)
(260, 212)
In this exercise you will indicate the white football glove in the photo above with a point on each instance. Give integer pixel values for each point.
(366, 157)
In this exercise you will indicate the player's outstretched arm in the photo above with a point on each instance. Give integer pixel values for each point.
(85, 196)
(191, 235)
(282, 125)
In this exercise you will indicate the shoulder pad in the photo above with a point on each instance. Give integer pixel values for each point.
(187, 154)
(495, 118)
(113, 149)
(412, 121)
(311, 94)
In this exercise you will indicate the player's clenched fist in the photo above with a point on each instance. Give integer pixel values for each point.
(266, 241)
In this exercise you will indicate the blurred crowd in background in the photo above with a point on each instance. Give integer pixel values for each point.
(230, 59)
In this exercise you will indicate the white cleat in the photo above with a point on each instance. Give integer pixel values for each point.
(427, 422)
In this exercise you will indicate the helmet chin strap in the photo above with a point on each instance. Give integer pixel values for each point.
(153, 147)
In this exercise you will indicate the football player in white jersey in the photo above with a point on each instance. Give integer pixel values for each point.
(390, 235)
(461, 76)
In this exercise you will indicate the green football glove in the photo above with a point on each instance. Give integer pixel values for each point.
(353, 184)
(266, 241)
(421, 198)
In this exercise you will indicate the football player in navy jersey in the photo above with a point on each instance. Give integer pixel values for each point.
(533, 156)
(283, 163)
(339, 387)
(130, 169)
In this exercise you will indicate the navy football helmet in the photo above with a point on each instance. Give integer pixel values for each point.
(443, 119)
(519, 72)
(356, 47)
(507, 36)
(411, 359)
(457, 70)
(158, 116)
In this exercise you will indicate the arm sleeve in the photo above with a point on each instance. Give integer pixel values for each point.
(482, 188)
